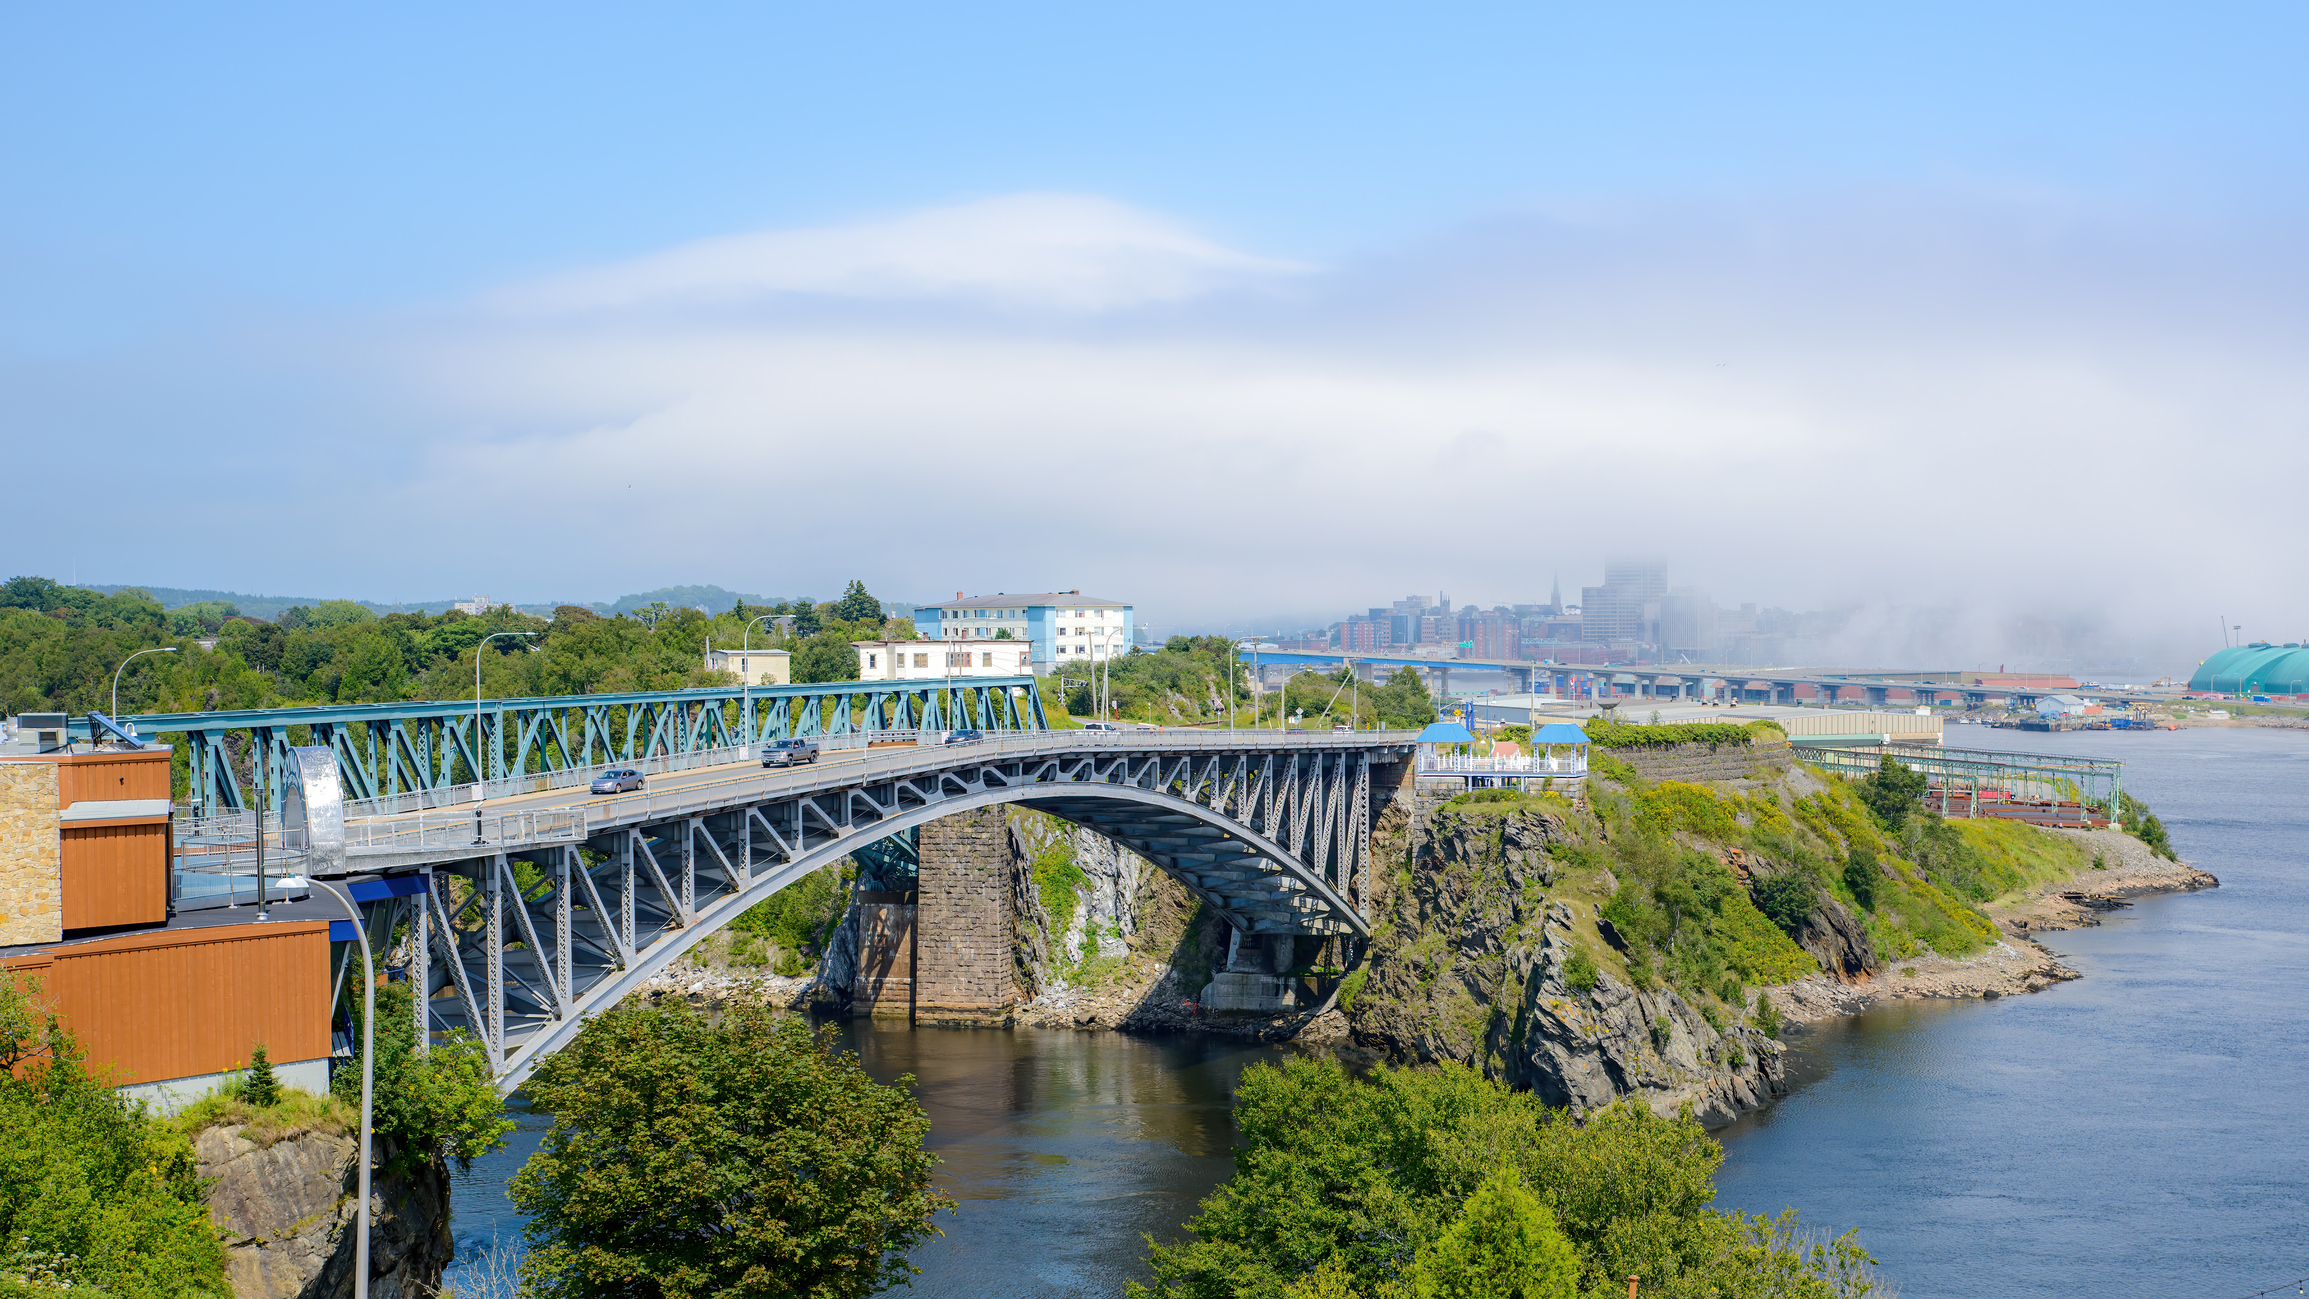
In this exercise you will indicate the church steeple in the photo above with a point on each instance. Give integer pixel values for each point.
(1555, 596)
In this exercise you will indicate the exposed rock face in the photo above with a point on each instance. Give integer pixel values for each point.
(1468, 965)
(287, 1209)
(1835, 939)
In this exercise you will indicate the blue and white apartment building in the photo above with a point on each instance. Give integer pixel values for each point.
(1062, 626)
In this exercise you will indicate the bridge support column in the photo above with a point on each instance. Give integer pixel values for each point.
(964, 972)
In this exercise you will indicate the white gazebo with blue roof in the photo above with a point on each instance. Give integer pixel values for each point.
(1557, 761)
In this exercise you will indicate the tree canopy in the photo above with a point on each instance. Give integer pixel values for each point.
(1438, 1181)
(1892, 791)
(60, 644)
(739, 1156)
(96, 1195)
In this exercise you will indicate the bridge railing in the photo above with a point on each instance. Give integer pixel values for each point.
(541, 782)
(480, 830)
(1527, 765)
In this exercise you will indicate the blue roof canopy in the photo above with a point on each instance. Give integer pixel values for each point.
(1559, 733)
(1446, 733)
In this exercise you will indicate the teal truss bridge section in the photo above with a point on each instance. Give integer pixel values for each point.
(412, 746)
(517, 922)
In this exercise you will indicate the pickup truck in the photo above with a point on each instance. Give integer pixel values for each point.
(789, 753)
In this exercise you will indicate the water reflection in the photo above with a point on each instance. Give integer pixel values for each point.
(1061, 1148)
(2138, 1132)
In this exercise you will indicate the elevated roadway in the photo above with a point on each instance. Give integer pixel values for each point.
(1681, 680)
(1270, 831)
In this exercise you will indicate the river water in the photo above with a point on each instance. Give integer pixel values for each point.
(2136, 1132)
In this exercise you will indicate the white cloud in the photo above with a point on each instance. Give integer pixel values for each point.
(2060, 417)
(1061, 251)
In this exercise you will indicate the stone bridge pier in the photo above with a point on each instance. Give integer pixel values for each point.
(942, 953)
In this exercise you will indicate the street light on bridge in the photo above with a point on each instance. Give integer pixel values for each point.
(480, 767)
(163, 649)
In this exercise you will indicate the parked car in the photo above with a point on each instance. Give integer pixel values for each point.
(789, 753)
(617, 780)
(964, 737)
(1100, 726)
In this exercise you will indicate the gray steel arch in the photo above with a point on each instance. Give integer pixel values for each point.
(517, 1064)
(1271, 832)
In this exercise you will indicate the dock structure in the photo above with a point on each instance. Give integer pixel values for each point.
(2041, 788)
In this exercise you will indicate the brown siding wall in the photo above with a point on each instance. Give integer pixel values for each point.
(141, 774)
(115, 875)
(181, 1003)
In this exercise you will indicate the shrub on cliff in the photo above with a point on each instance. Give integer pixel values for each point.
(738, 1156)
(1684, 914)
(2144, 826)
(95, 1193)
(1347, 1187)
(1892, 792)
(440, 1105)
(1623, 735)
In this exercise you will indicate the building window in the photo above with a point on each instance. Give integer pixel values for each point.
(986, 660)
(921, 660)
(870, 660)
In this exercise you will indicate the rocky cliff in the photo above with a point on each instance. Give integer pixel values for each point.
(285, 1205)
(1473, 960)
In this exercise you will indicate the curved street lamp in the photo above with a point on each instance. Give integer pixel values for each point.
(746, 681)
(480, 768)
(163, 649)
(368, 1081)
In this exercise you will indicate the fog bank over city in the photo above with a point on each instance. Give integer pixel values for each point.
(1992, 424)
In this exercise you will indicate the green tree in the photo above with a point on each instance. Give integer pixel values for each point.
(1403, 702)
(1861, 871)
(1786, 899)
(2145, 827)
(1892, 791)
(260, 1087)
(440, 1105)
(857, 606)
(1503, 1245)
(827, 656)
(1345, 1186)
(94, 1192)
(738, 1157)
(339, 613)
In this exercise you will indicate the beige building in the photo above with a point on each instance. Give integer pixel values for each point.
(753, 667)
(925, 660)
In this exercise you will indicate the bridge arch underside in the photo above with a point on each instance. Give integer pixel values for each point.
(619, 914)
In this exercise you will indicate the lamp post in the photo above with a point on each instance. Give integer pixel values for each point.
(480, 766)
(163, 649)
(368, 1084)
(746, 680)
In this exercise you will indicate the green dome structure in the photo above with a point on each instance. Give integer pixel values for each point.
(2256, 669)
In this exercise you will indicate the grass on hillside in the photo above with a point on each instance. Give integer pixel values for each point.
(297, 1111)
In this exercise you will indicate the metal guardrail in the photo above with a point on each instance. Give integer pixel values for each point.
(1461, 765)
(386, 833)
(467, 830)
(544, 782)
(1977, 775)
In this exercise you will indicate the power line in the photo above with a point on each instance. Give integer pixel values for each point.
(2299, 1284)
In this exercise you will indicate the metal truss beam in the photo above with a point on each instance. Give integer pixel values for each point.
(1273, 840)
(396, 748)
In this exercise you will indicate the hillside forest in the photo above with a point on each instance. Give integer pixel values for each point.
(60, 645)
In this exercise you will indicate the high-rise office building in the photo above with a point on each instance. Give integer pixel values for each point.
(1627, 606)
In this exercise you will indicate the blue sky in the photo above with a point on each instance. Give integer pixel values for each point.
(300, 262)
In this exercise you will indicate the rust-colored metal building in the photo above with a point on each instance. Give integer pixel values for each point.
(166, 1004)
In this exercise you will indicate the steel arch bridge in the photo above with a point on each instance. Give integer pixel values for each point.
(416, 745)
(1271, 831)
